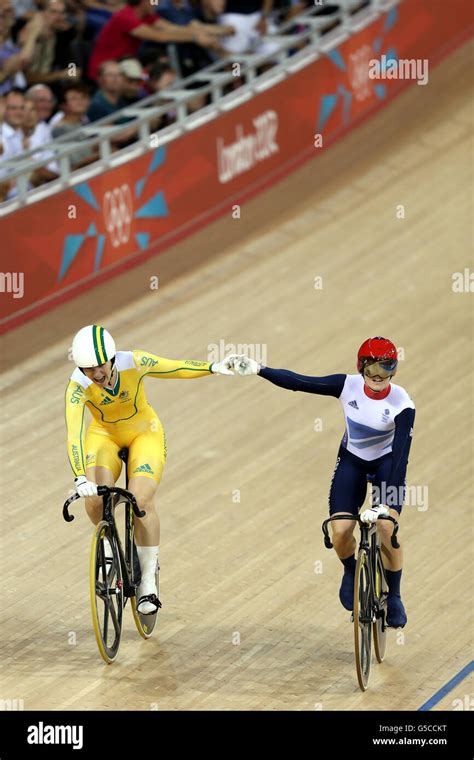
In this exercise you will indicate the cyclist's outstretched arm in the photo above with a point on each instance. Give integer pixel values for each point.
(184, 369)
(329, 385)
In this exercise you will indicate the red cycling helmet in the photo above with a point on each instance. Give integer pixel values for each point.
(378, 351)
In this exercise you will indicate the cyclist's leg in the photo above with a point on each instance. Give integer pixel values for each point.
(392, 558)
(392, 496)
(346, 496)
(147, 528)
(147, 454)
(102, 467)
(146, 461)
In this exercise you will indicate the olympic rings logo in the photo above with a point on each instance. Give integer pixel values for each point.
(359, 72)
(117, 207)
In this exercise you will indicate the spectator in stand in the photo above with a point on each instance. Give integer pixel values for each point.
(74, 103)
(251, 19)
(108, 98)
(209, 11)
(19, 132)
(25, 9)
(37, 133)
(134, 78)
(123, 35)
(44, 101)
(51, 48)
(160, 77)
(14, 59)
(11, 136)
(98, 12)
(192, 57)
(69, 36)
(294, 7)
(22, 131)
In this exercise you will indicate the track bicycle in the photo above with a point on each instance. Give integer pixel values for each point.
(114, 578)
(370, 594)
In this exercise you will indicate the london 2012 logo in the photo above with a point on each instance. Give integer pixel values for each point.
(117, 208)
(248, 148)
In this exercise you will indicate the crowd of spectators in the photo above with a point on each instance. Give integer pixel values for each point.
(66, 63)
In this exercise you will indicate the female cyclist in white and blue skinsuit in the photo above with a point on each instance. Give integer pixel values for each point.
(379, 426)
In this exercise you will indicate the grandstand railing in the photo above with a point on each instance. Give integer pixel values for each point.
(311, 31)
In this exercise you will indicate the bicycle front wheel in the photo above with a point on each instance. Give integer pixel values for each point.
(362, 620)
(380, 624)
(106, 593)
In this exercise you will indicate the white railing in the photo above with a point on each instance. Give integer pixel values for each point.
(311, 31)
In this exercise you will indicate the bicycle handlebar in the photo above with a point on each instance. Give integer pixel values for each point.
(104, 491)
(393, 538)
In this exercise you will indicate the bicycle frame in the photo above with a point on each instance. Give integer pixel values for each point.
(365, 529)
(370, 543)
(112, 497)
(125, 571)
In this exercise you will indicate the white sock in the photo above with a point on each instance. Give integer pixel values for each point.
(148, 556)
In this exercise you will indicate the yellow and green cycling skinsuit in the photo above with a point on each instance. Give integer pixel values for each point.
(122, 417)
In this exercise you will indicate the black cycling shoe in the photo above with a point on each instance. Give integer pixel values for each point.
(396, 615)
(346, 592)
(151, 599)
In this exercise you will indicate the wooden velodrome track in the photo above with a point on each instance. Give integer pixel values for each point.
(245, 572)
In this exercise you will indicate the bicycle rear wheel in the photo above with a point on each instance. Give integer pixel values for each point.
(362, 620)
(381, 593)
(106, 593)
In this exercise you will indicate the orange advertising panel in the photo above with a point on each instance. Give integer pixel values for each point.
(61, 245)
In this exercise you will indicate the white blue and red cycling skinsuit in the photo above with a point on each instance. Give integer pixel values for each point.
(376, 442)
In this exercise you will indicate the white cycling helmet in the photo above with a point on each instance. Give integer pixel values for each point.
(92, 346)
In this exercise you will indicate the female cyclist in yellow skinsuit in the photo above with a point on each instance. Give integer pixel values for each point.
(110, 384)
